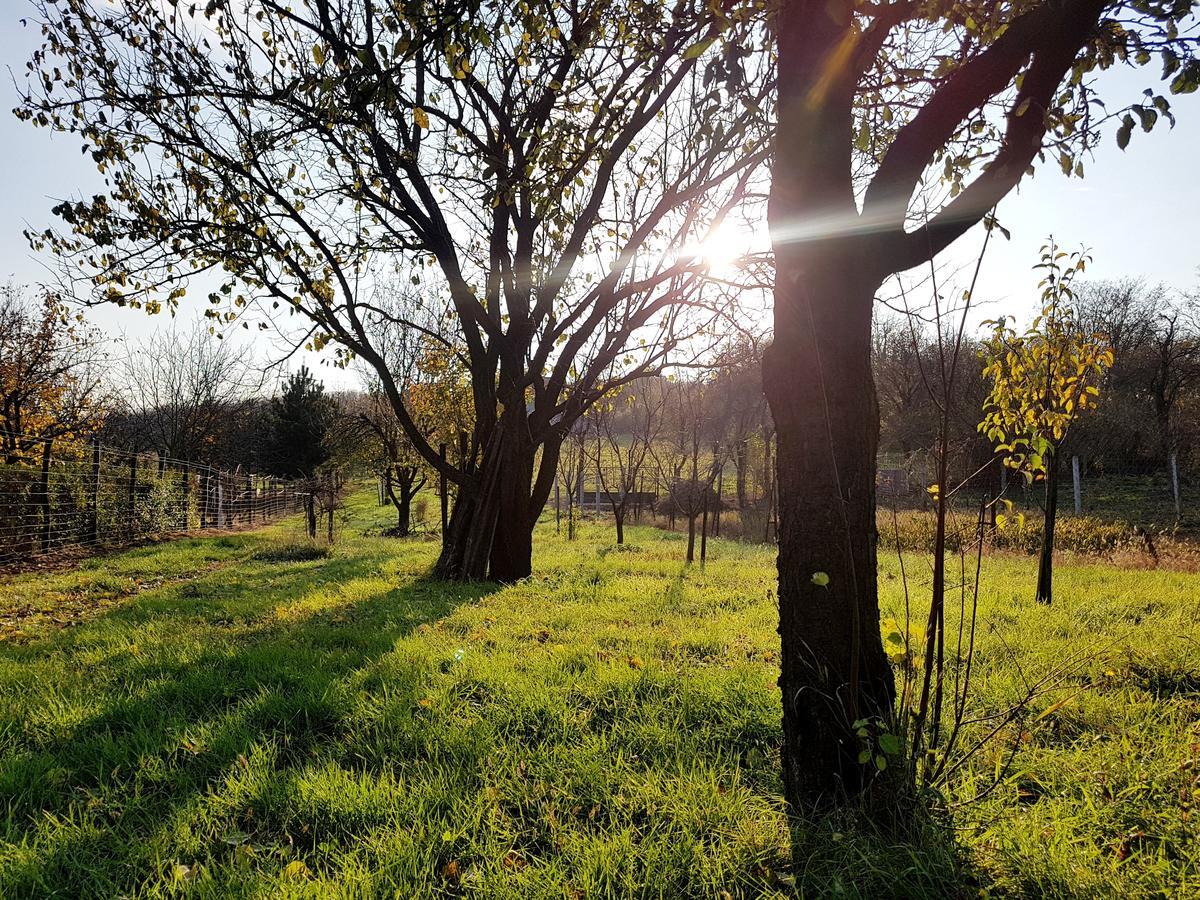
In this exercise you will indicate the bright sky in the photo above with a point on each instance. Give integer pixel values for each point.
(1136, 210)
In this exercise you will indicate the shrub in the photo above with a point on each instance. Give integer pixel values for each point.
(1075, 534)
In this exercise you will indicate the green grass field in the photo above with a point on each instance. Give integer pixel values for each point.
(231, 716)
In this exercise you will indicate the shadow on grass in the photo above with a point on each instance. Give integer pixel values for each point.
(112, 731)
(853, 854)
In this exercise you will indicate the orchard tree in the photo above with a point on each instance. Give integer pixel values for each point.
(535, 166)
(901, 125)
(1042, 381)
(620, 457)
(50, 384)
(739, 406)
(393, 458)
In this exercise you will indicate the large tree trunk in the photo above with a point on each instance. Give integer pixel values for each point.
(817, 376)
(818, 382)
(490, 534)
(1045, 582)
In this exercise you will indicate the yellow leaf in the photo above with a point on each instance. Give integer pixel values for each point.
(421, 117)
(295, 869)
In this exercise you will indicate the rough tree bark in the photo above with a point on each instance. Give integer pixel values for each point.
(818, 381)
(490, 533)
(830, 260)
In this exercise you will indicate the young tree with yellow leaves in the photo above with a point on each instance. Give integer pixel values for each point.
(1043, 380)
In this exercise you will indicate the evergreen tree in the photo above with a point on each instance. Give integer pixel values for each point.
(301, 418)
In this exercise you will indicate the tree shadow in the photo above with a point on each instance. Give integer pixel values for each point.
(853, 853)
(134, 717)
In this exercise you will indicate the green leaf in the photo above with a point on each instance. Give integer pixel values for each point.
(318, 54)
(697, 48)
(820, 579)
(889, 744)
(1125, 132)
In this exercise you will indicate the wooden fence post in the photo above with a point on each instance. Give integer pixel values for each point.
(330, 483)
(717, 511)
(187, 486)
(133, 490)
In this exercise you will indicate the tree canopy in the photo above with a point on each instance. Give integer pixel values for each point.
(532, 169)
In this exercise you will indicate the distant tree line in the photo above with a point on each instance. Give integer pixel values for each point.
(1151, 398)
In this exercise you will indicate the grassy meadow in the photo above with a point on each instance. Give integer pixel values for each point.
(245, 715)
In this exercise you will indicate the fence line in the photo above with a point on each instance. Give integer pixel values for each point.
(1157, 495)
(71, 497)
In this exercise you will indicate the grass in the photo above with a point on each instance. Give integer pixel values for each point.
(249, 716)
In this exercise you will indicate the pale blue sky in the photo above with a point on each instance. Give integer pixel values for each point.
(1137, 210)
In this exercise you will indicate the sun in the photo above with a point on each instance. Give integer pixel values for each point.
(720, 251)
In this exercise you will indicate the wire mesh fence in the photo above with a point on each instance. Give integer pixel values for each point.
(64, 497)
(1160, 496)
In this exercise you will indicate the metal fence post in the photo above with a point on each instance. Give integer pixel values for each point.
(45, 489)
(95, 498)
(1175, 486)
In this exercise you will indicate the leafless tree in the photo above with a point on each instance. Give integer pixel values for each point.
(181, 387)
(570, 469)
(620, 458)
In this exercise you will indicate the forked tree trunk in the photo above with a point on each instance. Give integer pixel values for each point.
(817, 378)
(1045, 582)
(490, 533)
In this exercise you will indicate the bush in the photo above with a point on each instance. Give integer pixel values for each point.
(1074, 534)
(157, 507)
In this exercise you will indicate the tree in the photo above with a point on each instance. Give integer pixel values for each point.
(571, 463)
(50, 384)
(181, 390)
(876, 103)
(620, 458)
(691, 495)
(301, 419)
(736, 393)
(1042, 381)
(394, 459)
(532, 167)
(1175, 365)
